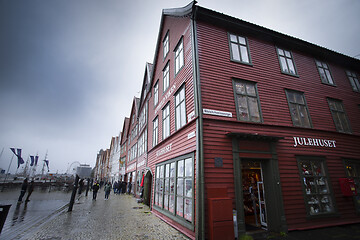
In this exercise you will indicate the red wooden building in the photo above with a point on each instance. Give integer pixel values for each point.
(259, 119)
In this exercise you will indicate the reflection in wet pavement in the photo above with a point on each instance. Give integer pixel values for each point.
(24, 216)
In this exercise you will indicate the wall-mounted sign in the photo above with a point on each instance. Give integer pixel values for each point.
(163, 100)
(191, 116)
(316, 142)
(217, 113)
(131, 167)
(164, 150)
(191, 135)
(142, 163)
(218, 162)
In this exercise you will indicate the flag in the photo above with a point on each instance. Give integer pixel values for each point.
(18, 154)
(32, 160)
(47, 164)
(36, 160)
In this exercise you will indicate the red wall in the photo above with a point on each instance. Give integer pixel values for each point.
(216, 73)
(180, 143)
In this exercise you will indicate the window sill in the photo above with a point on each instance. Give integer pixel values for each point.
(240, 62)
(329, 84)
(290, 74)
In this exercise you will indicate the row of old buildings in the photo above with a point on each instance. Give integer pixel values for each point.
(241, 125)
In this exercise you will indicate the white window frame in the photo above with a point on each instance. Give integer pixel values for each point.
(166, 121)
(180, 108)
(179, 56)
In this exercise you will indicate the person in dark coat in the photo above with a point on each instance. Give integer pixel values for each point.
(95, 189)
(81, 186)
(23, 189)
(30, 190)
(107, 189)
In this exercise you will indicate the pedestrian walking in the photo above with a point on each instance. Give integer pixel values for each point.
(23, 190)
(115, 186)
(107, 189)
(95, 189)
(81, 185)
(30, 190)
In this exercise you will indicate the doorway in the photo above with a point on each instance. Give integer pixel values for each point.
(147, 187)
(253, 195)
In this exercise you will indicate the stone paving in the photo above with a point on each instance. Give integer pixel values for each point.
(24, 217)
(120, 217)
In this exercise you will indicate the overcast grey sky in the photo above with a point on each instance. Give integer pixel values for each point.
(69, 69)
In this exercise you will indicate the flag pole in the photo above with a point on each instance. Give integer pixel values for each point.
(1, 152)
(26, 166)
(7, 173)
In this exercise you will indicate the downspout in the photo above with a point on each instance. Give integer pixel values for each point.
(200, 204)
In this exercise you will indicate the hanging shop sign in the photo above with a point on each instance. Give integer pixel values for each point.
(217, 113)
(316, 142)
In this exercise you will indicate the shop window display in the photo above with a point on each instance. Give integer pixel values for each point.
(315, 182)
(174, 188)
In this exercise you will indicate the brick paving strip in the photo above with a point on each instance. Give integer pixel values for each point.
(120, 217)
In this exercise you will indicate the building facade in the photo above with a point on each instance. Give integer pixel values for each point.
(236, 111)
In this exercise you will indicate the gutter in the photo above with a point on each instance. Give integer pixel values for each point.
(200, 203)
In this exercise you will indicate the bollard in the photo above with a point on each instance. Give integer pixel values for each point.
(4, 209)
(72, 200)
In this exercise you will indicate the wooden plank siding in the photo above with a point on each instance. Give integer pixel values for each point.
(216, 75)
(181, 144)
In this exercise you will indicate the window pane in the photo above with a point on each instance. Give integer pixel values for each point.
(172, 203)
(291, 66)
(172, 185)
(166, 201)
(188, 167)
(180, 187)
(167, 170)
(243, 108)
(188, 187)
(287, 54)
(233, 38)
(295, 115)
(322, 75)
(183, 115)
(304, 116)
(188, 209)
(180, 168)
(240, 87)
(283, 64)
(281, 52)
(250, 89)
(242, 40)
(172, 170)
(244, 54)
(254, 109)
(299, 98)
(180, 207)
(235, 52)
(167, 186)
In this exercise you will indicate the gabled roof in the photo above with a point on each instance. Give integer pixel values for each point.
(146, 83)
(176, 12)
(134, 109)
(125, 130)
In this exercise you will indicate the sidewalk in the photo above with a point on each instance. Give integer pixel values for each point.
(120, 217)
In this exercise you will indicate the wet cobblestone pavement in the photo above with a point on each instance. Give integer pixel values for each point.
(26, 216)
(120, 217)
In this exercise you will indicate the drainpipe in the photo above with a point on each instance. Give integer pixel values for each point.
(200, 204)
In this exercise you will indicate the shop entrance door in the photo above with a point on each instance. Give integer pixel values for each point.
(254, 196)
